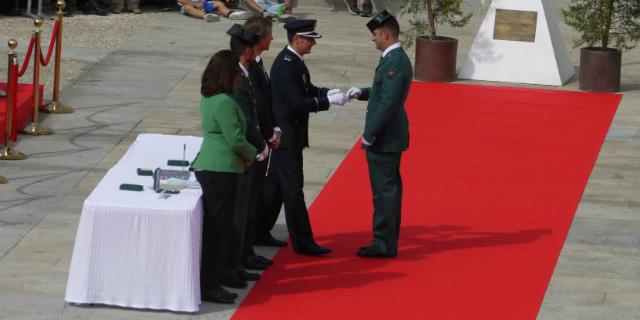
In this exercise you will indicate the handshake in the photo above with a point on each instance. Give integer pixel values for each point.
(337, 97)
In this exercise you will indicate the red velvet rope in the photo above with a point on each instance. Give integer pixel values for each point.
(14, 104)
(54, 36)
(27, 58)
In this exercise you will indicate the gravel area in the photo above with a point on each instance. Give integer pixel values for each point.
(105, 34)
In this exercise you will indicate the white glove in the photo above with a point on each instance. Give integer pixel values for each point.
(354, 93)
(264, 154)
(333, 91)
(338, 99)
(365, 142)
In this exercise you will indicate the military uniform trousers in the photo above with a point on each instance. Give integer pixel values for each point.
(289, 171)
(218, 199)
(386, 186)
(269, 205)
(248, 195)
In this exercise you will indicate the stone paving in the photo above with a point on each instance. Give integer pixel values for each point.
(151, 84)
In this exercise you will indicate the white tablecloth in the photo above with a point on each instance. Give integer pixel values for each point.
(153, 150)
(134, 249)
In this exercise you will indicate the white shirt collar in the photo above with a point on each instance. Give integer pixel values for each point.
(258, 58)
(244, 70)
(391, 47)
(297, 54)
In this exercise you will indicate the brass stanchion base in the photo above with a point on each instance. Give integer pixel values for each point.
(9, 154)
(3, 180)
(56, 107)
(36, 129)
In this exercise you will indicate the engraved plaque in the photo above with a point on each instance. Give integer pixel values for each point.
(515, 25)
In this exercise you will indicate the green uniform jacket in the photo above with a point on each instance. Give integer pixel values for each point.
(387, 125)
(224, 147)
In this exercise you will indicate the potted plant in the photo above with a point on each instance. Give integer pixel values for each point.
(606, 27)
(435, 55)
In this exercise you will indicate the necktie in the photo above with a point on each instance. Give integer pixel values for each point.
(263, 69)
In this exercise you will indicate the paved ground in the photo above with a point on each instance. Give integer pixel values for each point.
(151, 84)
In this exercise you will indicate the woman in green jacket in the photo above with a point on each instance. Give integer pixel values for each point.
(223, 155)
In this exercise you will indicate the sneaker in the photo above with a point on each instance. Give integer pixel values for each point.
(241, 15)
(210, 17)
(287, 17)
(352, 6)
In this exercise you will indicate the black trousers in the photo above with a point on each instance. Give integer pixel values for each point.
(270, 202)
(218, 197)
(386, 186)
(258, 169)
(288, 165)
(244, 217)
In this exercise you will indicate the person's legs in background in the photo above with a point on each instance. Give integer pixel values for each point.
(198, 10)
(117, 6)
(134, 6)
(367, 9)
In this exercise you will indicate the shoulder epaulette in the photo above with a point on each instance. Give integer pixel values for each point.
(287, 58)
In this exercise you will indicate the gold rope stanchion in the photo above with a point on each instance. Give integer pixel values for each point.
(7, 152)
(55, 106)
(36, 128)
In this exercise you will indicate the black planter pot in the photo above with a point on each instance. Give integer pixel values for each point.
(600, 69)
(436, 59)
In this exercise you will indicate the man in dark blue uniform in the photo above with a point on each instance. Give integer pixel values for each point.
(294, 97)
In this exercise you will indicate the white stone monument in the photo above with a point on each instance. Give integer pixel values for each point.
(519, 41)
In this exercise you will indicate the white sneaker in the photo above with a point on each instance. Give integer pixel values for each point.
(210, 17)
(241, 15)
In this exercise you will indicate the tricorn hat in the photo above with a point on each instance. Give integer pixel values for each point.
(304, 28)
(239, 32)
(377, 21)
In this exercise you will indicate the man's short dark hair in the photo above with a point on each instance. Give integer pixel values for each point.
(259, 25)
(220, 74)
(392, 26)
(238, 46)
(290, 36)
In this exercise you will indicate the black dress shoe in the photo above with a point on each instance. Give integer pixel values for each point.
(233, 282)
(369, 252)
(270, 241)
(313, 250)
(264, 260)
(248, 276)
(253, 263)
(219, 295)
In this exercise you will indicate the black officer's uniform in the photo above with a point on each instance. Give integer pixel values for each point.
(294, 97)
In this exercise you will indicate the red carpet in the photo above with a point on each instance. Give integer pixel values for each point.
(25, 107)
(492, 180)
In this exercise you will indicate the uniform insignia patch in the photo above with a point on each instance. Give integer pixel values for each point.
(287, 58)
(392, 74)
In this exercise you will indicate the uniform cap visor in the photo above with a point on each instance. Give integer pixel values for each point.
(309, 34)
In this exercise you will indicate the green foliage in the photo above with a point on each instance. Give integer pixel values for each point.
(424, 21)
(605, 22)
